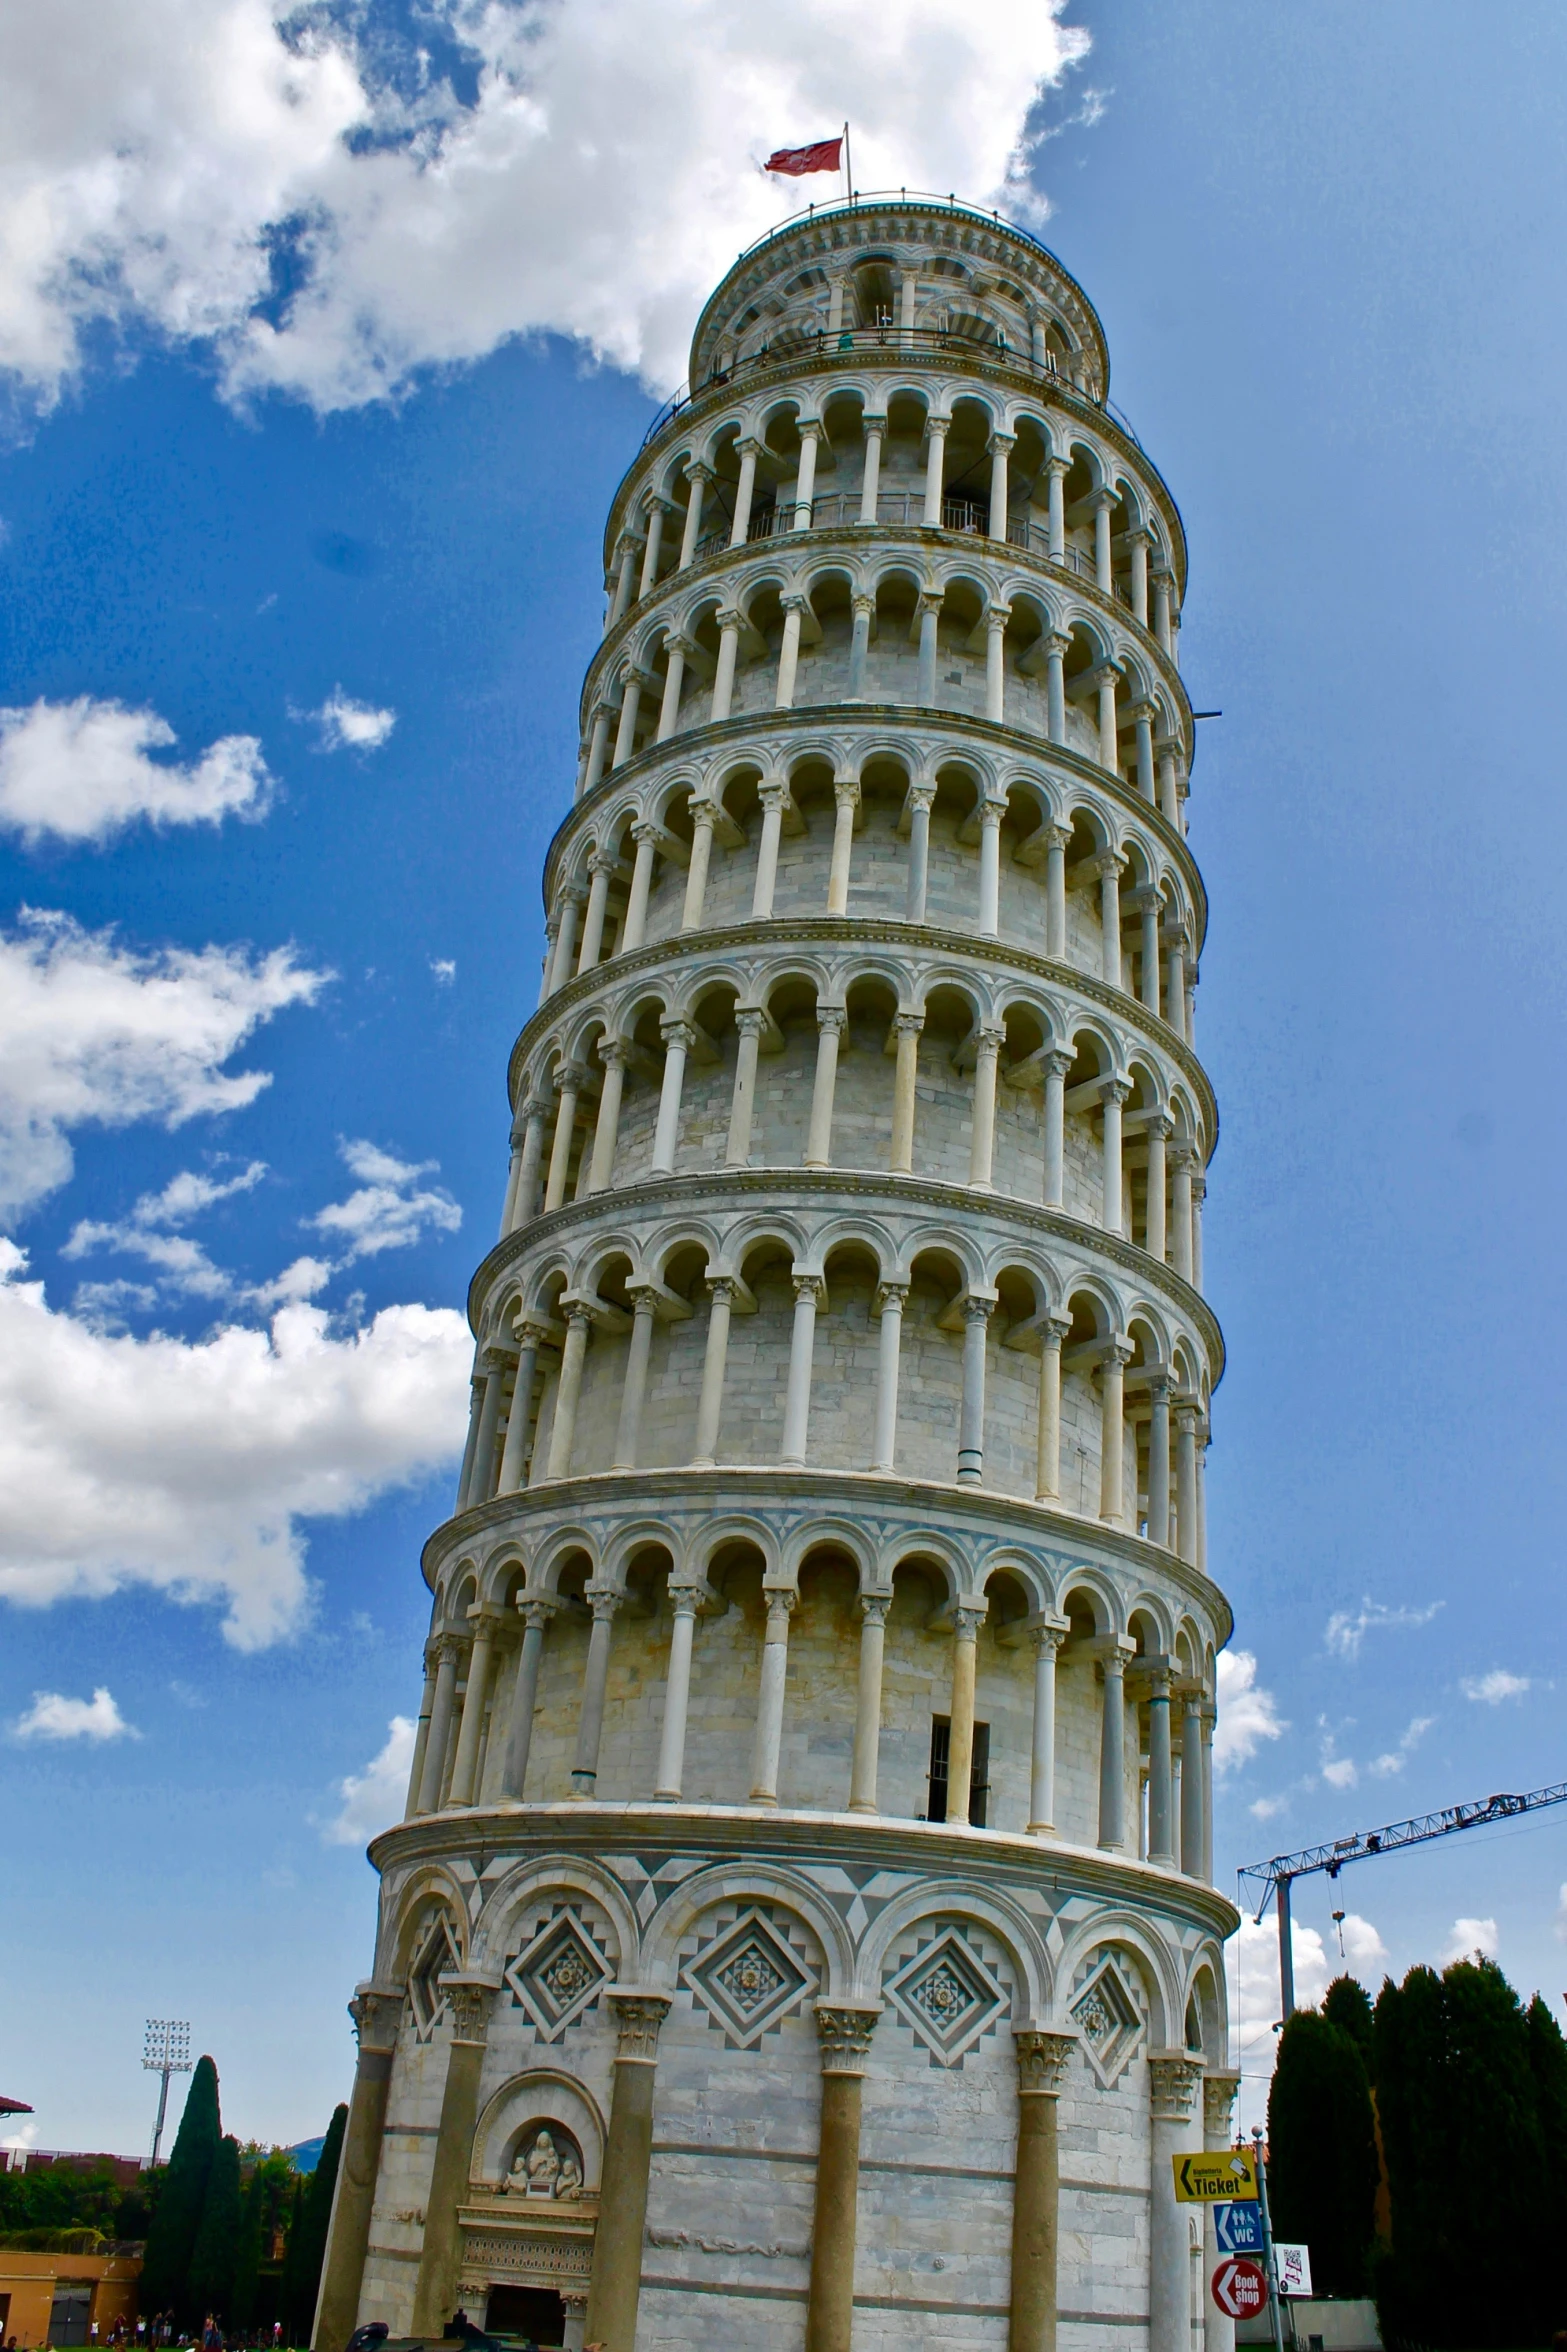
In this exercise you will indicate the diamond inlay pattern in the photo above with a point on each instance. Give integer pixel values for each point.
(1110, 2021)
(748, 1979)
(558, 1975)
(949, 1995)
(436, 1955)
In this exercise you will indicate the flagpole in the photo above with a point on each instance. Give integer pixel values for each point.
(848, 168)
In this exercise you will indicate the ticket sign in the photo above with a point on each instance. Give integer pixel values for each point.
(1239, 2288)
(1227, 2176)
(1237, 2228)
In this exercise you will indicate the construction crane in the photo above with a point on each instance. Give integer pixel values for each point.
(1276, 1878)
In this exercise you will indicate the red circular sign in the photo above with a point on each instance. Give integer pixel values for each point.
(1239, 2288)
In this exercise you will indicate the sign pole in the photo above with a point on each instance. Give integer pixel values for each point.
(1270, 2266)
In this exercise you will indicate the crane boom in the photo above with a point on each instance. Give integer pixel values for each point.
(1276, 1878)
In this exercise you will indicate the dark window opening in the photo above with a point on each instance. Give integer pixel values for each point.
(535, 2313)
(979, 1772)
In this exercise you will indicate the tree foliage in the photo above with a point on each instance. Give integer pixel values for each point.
(171, 2240)
(1319, 2107)
(215, 2255)
(307, 2236)
(1347, 2005)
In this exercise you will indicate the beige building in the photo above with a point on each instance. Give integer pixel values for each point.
(802, 1931)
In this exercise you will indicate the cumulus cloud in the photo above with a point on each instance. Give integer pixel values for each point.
(352, 726)
(1489, 1690)
(1386, 1766)
(1347, 1629)
(373, 1799)
(191, 1468)
(1253, 1960)
(1248, 1714)
(54, 1717)
(1364, 1950)
(80, 771)
(95, 1033)
(390, 1210)
(443, 971)
(149, 1232)
(333, 201)
(1471, 1939)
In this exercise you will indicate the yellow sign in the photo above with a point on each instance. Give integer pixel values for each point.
(1227, 2177)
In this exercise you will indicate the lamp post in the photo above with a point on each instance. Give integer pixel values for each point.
(165, 2051)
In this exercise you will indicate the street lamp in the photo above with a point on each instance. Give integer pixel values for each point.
(165, 2051)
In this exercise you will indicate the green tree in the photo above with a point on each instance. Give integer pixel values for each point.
(1347, 2005)
(247, 2259)
(1493, 2205)
(1548, 2065)
(315, 2213)
(1322, 2151)
(171, 2240)
(215, 2254)
(292, 2295)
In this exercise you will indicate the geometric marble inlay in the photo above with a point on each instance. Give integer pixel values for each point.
(949, 1997)
(1110, 2021)
(436, 1955)
(748, 1980)
(558, 1975)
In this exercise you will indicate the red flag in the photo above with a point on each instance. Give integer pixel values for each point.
(826, 155)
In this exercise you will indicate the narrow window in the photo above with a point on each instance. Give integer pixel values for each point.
(979, 1772)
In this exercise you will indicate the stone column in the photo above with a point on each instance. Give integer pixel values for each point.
(867, 1710)
(435, 2292)
(1112, 1427)
(1169, 790)
(1042, 1774)
(1182, 1162)
(1036, 2193)
(481, 1479)
(1175, 982)
(935, 460)
(1056, 1066)
(1161, 1770)
(808, 1291)
(780, 1601)
(704, 816)
(470, 1450)
(698, 476)
(626, 554)
(519, 1423)
(845, 2037)
(569, 906)
(634, 929)
(1047, 1447)
(422, 1734)
(1108, 868)
(633, 1394)
(1174, 2080)
(1104, 578)
(1159, 1461)
(991, 813)
(982, 1134)
(1143, 716)
(971, 1422)
(376, 2011)
(678, 1037)
(1056, 471)
(724, 674)
(870, 483)
(710, 1405)
(563, 1429)
(966, 1618)
(1186, 1420)
(1210, 1716)
(1218, 2106)
(657, 509)
(906, 1029)
(598, 749)
(601, 1173)
(1149, 907)
(789, 652)
(1112, 1095)
(805, 486)
(930, 604)
(846, 796)
(1191, 1779)
(615, 2286)
(1055, 686)
(630, 706)
(750, 1021)
(475, 1699)
(677, 652)
(1106, 678)
(891, 1298)
(441, 1711)
(677, 1695)
(604, 1601)
(1199, 1195)
(1163, 593)
(864, 611)
(1112, 1749)
(998, 446)
(831, 1021)
(749, 452)
(536, 1615)
(526, 1200)
(771, 797)
(1138, 543)
(568, 1090)
(1155, 1236)
(920, 799)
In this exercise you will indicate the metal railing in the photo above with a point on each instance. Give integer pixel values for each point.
(964, 517)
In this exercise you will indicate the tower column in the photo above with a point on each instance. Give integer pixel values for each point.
(906, 1028)
(376, 2011)
(1174, 2080)
(1042, 1771)
(750, 1021)
(749, 452)
(601, 1174)
(875, 427)
(920, 799)
(685, 1599)
(1056, 1066)
(604, 1601)
(935, 461)
(789, 652)
(999, 445)
(891, 1298)
(1042, 2060)
(1047, 1451)
(844, 2034)
(699, 477)
(996, 620)
(991, 813)
(710, 1405)
(435, 2292)
(1191, 1780)
(615, 2286)
(475, 1699)
(1112, 1432)
(441, 1711)
(677, 652)
(634, 929)
(1161, 1770)
(867, 1710)
(982, 1135)
(536, 1615)
(568, 1089)
(525, 1200)
(967, 1617)
(831, 1021)
(1056, 471)
(809, 1289)
(977, 1309)
(1112, 1747)
(780, 1601)
(1055, 686)
(771, 797)
(930, 604)
(846, 799)
(1159, 1460)
(678, 1037)
(633, 1394)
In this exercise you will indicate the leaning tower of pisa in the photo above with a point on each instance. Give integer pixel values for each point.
(802, 1931)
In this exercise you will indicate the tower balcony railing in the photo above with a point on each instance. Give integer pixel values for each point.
(968, 517)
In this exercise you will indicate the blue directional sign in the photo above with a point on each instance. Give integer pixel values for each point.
(1238, 2228)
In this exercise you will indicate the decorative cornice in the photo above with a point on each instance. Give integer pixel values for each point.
(1042, 2060)
(639, 2016)
(1174, 2079)
(844, 2032)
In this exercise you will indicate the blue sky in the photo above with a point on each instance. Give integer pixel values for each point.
(1325, 247)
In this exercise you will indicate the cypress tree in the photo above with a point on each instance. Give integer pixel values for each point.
(1548, 2065)
(171, 2240)
(1413, 2108)
(247, 2263)
(290, 2296)
(1322, 2154)
(1347, 2005)
(1495, 2126)
(312, 2216)
(216, 2251)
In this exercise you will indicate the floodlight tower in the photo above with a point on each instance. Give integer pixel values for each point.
(165, 2051)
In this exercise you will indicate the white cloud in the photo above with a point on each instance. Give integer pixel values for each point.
(1364, 1949)
(1396, 1758)
(27, 2137)
(54, 1717)
(1347, 1630)
(352, 726)
(191, 1467)
(592, 179)
(94, 1033)
(183, 1264)
(1489, 1690)
(443, 970)
(1248, 1714)
(388, 1211)
(80, 771)
(1469, 1937)
(1340, 1772)
(374, 1799)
